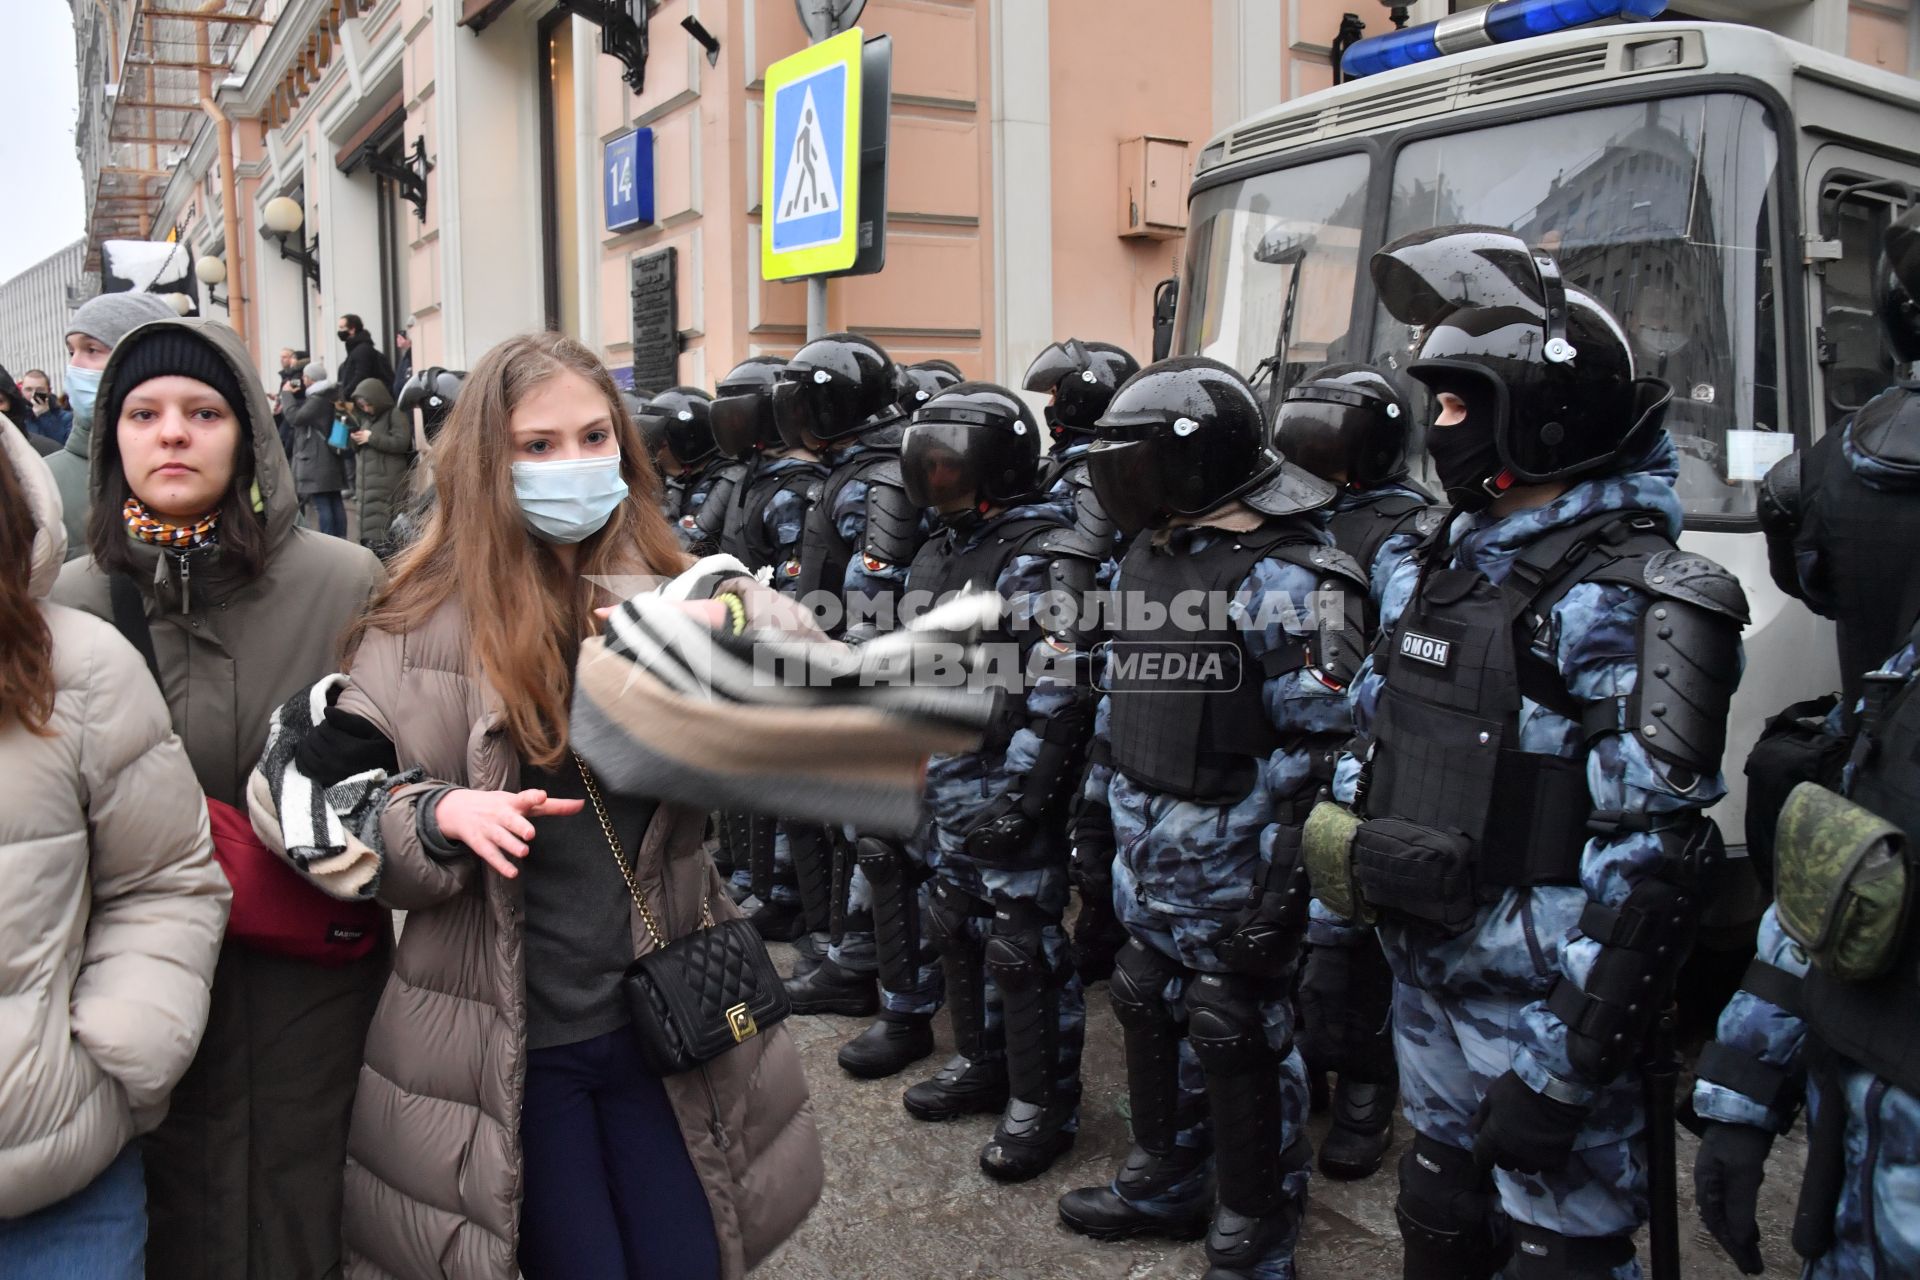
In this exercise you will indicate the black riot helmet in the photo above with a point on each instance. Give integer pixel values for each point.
(1896, 286)
(974, 439)
(743, 410)
(921, 382)
(432, 391)
(684, 415)
(1347, 423)
(1081, 377)
(1180, 438)
(1544, 369)
(836, 387)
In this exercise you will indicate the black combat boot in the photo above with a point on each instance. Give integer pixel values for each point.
(893, 1043)
(1362, 1129)
(829, 988)
(778, 921)
(1099, 1213)
(964, 1087)
(1028, 1139)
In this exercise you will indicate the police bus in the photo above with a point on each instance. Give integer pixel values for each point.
(1721, 189)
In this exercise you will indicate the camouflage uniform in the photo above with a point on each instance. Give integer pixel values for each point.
(1185, 870)
(1470, 1008)
(1874, 1231)
(694, 487)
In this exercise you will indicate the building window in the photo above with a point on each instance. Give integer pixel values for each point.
(559, 176)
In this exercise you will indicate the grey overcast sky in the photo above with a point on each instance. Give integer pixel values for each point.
(44, 210)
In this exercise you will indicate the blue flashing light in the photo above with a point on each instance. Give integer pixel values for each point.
(1503, 21)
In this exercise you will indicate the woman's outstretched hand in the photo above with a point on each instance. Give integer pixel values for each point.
(493, 824)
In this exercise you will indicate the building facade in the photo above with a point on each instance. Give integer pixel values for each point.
(446, 161)
(34, 306)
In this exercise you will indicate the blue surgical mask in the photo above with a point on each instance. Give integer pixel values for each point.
(83, 388)
(566, 502)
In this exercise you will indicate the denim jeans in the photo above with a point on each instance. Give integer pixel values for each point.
(97, 1233)
(329, 513)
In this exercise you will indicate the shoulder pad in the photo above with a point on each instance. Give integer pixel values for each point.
(1062, 542)
(883, 471)
(893, 522)
(1290, 491)
(1328, 562)
(1779, 505)
(1696, 580)
(1427, 521)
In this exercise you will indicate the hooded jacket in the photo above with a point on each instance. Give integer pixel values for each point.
(317, 468)
(384, 464)
(114, 909)
(244, 1179)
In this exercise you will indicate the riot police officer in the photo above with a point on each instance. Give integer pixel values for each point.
(1239, 627)
(761, 527)
(1080, 379)
(1536, 740)
(839, 397)
(1842, 519)
(921, 382)
(995, 839)
(431, 393)
(706, 478)
(1830, 1010)
(1350, 425)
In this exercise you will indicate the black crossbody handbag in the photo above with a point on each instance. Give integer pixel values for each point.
(693, 999)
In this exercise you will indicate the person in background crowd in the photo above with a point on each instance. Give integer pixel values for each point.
(319, 472)
(292, 384)
(383, 440)
(114, 910)
(13, 407)
(403, 365)
(193, 513)
(97, 325)
(363, 359)
(503, 1051)
(680, 418)
(49, 418)
(1351, 426)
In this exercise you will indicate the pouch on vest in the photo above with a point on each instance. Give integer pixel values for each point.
(1415, 874)
(1327, 848)
(1795, 747)
(1842, 883)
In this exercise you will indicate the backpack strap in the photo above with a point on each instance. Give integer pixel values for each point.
(130, 618)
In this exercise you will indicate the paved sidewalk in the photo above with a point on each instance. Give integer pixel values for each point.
(905, 1200)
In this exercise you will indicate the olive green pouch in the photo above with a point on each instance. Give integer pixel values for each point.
(1327, 845)
(1842, 890)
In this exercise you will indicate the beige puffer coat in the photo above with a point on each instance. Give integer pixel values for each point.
(433, 1172)
(112, 916)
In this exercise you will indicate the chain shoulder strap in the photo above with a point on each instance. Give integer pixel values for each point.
(620, 860)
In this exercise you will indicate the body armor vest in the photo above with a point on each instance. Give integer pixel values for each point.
(1445, 739)
(1877, 1023)
(1362, 531)
(1865, 539)
(746, 537)
(940, 570)
(824, 554)
(1198, 744)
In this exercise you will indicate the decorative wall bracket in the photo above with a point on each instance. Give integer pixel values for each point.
(623, 32)
(304, 254)
(408, 172)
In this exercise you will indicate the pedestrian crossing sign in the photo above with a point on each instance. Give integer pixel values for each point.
(810, 187)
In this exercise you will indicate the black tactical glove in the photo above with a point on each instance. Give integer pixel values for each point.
(1005, 835)
(1524, 1131)
(1726, 1184)
(1098, 934)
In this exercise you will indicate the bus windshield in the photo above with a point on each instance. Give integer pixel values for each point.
(1663, 210)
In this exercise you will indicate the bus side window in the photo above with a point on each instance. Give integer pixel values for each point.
(1857, 362)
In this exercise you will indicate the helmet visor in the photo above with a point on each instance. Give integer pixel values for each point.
(739, 424)
(1424, 276)
(1056, 363)
(1321, 434)
(815, 404)
(1126, 478)
(938, 466)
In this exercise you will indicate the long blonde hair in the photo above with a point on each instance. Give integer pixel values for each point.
(525, 616)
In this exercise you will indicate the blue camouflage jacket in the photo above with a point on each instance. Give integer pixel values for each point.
(1041, 676)
(1521, 944)
(1198, 861)
(1759, 1027)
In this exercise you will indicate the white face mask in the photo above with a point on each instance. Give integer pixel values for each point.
(83, 387)
(568, 502)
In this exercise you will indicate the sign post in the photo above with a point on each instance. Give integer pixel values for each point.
(823, 188)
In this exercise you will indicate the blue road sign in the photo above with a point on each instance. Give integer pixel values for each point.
(627, 180)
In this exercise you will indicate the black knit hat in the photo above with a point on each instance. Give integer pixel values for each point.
(172, 352)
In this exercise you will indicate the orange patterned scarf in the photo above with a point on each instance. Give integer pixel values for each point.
(146, 528)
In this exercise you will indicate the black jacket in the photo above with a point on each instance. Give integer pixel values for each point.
(364, 360)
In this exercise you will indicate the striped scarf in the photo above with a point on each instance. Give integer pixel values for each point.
(202, 532)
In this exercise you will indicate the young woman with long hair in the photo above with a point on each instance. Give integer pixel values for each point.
(192, 523)
(113, 912)
(504, 1121)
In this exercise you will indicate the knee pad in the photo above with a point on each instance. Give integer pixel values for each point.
(1140, 978)
(1540, 1254)
(1225, 1026)
(1016, 949)
(885, 864)
(949, 911)
(1445, 1210)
